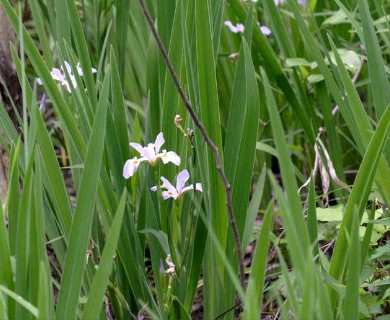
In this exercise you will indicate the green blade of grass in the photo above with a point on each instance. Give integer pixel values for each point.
(21, 302)
(82, 50)
(379, 81)
(254, 292)
(67, 120)
(13, 196)
(43, 38)
(363, 123)
(6, 277)
(274, 69)
(55, 183)
(99, 284)
(312, 218)
(314, 49)
(23, 249)
(170, 101)
(241, 134)
(45, 310)
(359, 195)
(297, 226)
(351, 302)
(81, 226)
(253, 208)
(215, 198)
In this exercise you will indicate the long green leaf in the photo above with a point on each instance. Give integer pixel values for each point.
(215, 198)
(22, 302)
(256, 280)
(241, 134)
(351, 302)
(100, 280)
(81, 226)
(359, 195)
(379, 81)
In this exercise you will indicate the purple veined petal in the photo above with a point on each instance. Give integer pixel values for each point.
(39, 81)
(159, 142)
(265, 30)
(181, 179)
(137, 147)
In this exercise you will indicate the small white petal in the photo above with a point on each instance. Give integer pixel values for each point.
(56, 74)
(234, 29)
(159, 142)
(169, 156)
(185, 189)
(265, 30)
(93, 70)
(136, 146)
(79, 70)
(149, 153)
(68, 67)
(130, 167)
(166, 184)
(39, 81)
(154, 188)
(181, 179)
(73, 81)
(199, 187)
(277, 2)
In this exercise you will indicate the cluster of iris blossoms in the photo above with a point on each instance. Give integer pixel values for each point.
(239, 27)
(60, 76)
(151, 154)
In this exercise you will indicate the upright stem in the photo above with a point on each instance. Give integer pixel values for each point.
(210, 143)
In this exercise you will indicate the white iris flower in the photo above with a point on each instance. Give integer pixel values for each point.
(180, 189)
(151, 153)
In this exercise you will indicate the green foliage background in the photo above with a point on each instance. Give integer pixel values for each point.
(265, 101)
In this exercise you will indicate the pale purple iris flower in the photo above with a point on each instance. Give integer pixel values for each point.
(150, 154)
(240, 28)
(234, 28)
(180, 189)
(60, 76)
(265, 30)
